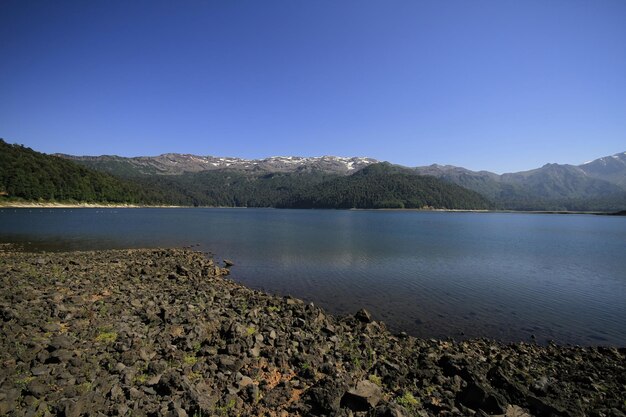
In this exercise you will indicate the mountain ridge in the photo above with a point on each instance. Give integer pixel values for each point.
(176, 163)
(597, 185)
(615, 162)
(292, 183)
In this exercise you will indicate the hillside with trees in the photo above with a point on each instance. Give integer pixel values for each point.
(225, 188)
(294, 182)
(386, 186)
(32, 176)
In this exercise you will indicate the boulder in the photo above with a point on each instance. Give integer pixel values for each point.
(366, 395)
(363, 316)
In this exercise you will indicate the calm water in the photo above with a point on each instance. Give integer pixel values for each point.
(431, 274)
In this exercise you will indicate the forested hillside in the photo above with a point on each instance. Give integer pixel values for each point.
(386, 186)
(29, 175)
(598, 185)
(231, 188)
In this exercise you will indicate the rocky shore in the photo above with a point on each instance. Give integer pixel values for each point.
(164, 333)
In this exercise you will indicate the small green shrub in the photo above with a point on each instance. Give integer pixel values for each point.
(225, 409)
(409, 402)
(190, 360)
(375, 379)
(106, 337)
(24, 381)
(140, 379)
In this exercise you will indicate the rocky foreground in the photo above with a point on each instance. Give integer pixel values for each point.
(162, 332)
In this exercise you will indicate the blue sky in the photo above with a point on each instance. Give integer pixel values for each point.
(497, 85)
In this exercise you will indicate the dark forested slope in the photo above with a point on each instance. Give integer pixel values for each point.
(226, 188)
(386, 186)
(376, 186)
(29, 175)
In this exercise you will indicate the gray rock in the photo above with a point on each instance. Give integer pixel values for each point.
(366, 395)
(229, 363)
(255, 352)
(363, 316)
(181, 270)
(40, 370)
(37, 388)
(6, 406)
(122, 409)
(116, 392)
(148, 390)
(134, 393)
(177, 412)
(245, 381)
(541, 385)
(153, 380)
(253, 393)
(478, 395)
(326, 394)
(51, 327)
(60, 355)
(515, 411)
(74, 408)
(327, 368)
(391, 410)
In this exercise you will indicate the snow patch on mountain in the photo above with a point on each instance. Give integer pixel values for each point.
(176, 164)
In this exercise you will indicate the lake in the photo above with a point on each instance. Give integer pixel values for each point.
(508, 276)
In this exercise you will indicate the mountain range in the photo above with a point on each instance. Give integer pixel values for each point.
(596, 185)
(328, 181)
(287, 182)
(177, 164)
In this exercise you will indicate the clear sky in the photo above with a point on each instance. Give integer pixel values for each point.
(497, 85)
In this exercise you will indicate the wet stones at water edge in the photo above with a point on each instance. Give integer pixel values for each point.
(363, 316)
(164, 333)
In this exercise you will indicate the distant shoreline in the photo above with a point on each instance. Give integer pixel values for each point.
(51, 205)
(606, 213)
